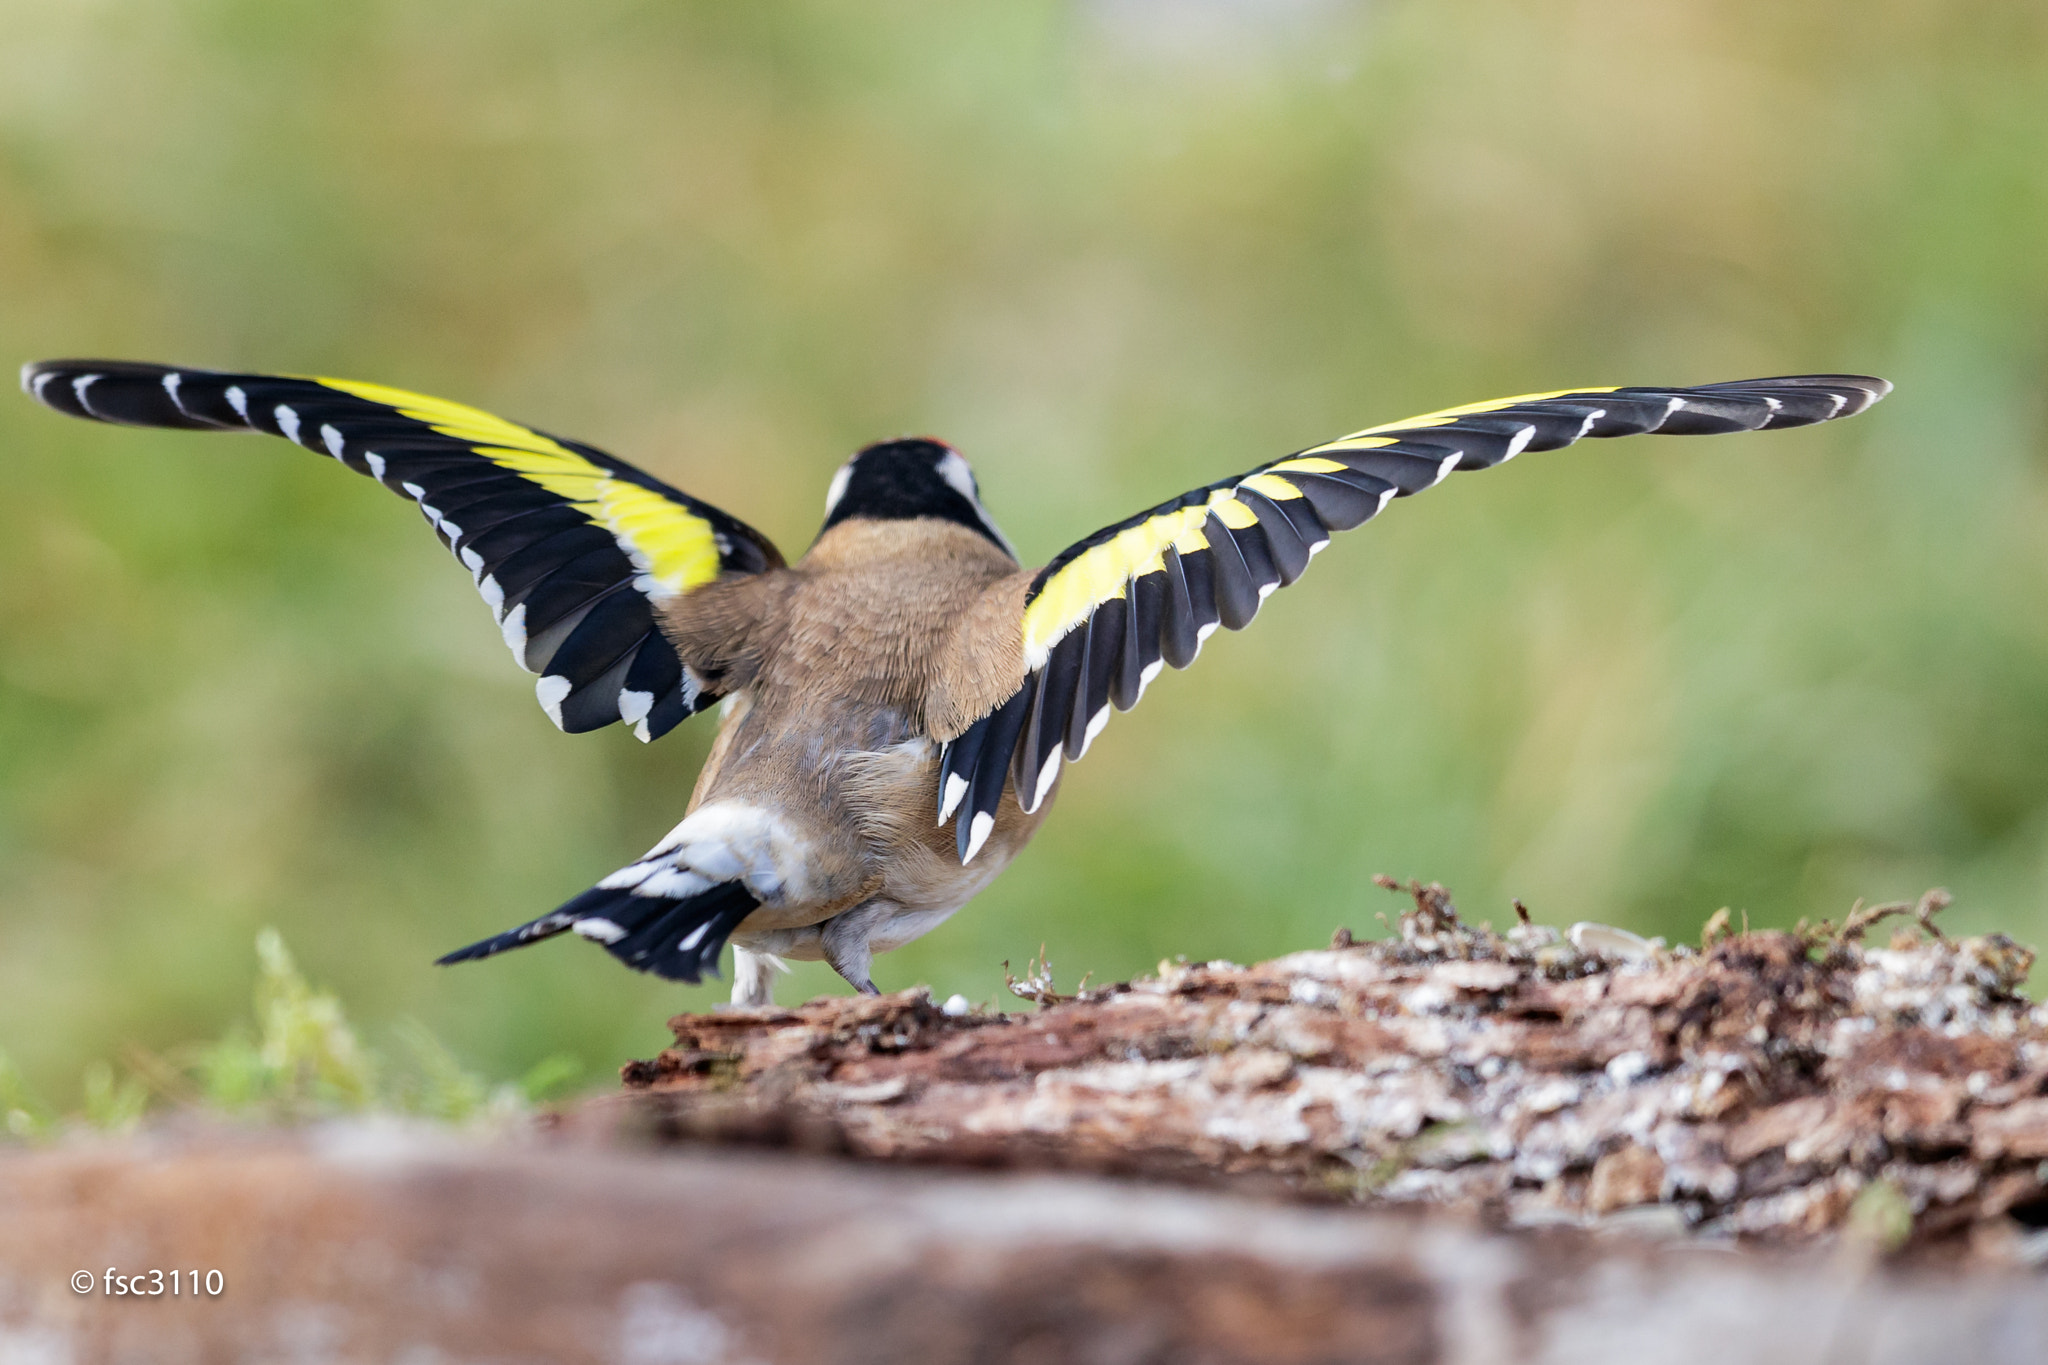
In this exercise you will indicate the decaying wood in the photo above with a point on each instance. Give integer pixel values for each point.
(1770, 1087)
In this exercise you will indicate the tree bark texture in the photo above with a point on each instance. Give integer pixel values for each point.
(1772, 1088)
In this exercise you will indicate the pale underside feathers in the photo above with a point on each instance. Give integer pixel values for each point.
(572, 549)
(1111, 611)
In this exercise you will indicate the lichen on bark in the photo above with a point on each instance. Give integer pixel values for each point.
(1773, 1087)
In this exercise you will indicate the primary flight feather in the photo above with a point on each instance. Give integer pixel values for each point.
(905, 668)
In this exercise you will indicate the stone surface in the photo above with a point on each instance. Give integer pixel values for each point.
(364, 1243)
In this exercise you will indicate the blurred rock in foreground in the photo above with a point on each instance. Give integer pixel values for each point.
(356, 1244)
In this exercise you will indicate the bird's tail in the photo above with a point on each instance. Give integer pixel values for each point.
(676, 937)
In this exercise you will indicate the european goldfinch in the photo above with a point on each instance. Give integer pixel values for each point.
(903, 676)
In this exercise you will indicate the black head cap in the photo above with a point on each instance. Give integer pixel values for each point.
(893, 480)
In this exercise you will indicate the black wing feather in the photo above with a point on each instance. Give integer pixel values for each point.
(1109, 611)
(574, 581)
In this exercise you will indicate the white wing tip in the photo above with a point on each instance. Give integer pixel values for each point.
(1046, 776)
(977, 834)
(552, 690)
(956, 792)
(1096, 723)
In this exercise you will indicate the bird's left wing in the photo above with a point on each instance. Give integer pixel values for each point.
(1110, 611)
(573, 549)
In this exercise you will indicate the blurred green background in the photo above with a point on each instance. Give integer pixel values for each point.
(1110, 250)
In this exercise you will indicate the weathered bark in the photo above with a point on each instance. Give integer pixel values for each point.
(1774, 1087)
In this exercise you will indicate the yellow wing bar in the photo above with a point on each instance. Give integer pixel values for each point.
(1102, 620)
(573, 550)
(674, 546)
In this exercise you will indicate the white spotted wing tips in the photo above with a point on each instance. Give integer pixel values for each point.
(1102, 620)
(572, 549)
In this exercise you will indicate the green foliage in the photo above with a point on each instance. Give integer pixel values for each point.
(306, 1060)
(113, 1105)
(22, 1114)
(1111, 250)
(1881, 1216)
(550, 1078)
(305, 1057)
(300, 1060)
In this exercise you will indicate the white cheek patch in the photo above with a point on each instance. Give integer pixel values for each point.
(959, 476)
(956, 471)
(838, 488)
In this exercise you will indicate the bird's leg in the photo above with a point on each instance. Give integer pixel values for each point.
(845, 940)
(753, 976)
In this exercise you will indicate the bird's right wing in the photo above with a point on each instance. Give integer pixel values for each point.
(574, 550)
(1110, 611)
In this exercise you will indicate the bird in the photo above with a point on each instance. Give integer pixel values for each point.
(898, 703)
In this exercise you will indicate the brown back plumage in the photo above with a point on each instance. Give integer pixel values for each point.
(887, 639)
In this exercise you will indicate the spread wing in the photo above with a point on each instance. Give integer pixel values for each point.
(1109, 612)
(573, 550)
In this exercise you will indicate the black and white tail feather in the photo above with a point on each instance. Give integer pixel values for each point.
(675, 936)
